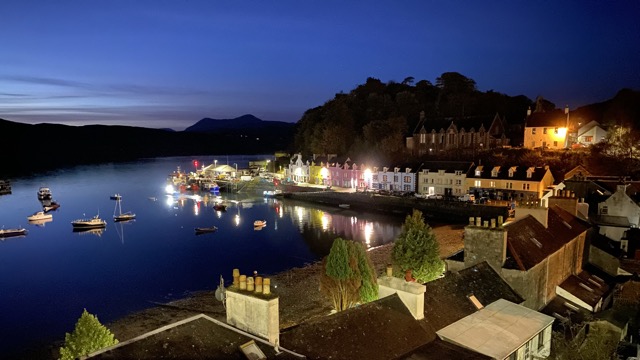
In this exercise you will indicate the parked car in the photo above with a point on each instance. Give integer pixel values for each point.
(435, 196)
(467, 198)
(482, 200)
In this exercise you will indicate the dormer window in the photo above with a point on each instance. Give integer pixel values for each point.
(494, 171)
(441, 172)
(395, 170)
(529, 172)
(375, 169)
(512, 171)
(407, 170)
(478, 171)
(425, 171)
(458, 172)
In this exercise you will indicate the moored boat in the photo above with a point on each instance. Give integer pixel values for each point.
(52, 206)
(115, 197)
(204, 230)
(220, 207)
(344, 206)
(260, 223)
(5, 233)
(118, 215)
(92, 223)
(44, 193)
(5, 187)
(38, 216)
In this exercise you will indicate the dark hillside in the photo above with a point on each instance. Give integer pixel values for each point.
(30, 148)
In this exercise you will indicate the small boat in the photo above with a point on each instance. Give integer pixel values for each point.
(204, 230)
(118, 215)
(5, 187)
(5, 233)
(38, 216)
(220, 207)
(272, 193)
(44, 193)
(344, 206)
(260, 223)
(115, 197)
(52, 206)
(93, 223)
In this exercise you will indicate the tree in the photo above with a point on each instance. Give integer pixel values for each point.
(89, 335)
(348, 277)
(417, 249)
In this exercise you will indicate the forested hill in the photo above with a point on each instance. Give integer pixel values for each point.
(28, 149)
(372, 120)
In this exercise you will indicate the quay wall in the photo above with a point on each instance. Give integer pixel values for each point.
(440, 210)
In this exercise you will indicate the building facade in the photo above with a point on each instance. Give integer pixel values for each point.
(446, 178)
(509, 182)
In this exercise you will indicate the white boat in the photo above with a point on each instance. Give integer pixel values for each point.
(40, 215)
(93, 223)
(344, 206)
(118, 215)
(4, 233)
(44, 193)
(52, 206)
(260, 223)
(204, 230)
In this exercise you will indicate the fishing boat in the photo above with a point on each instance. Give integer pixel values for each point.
(204, 230)
(44, 193)
(5, 233)
(92, 223)
(38, 216)
(220, 207)
(115, 197)
(118, 215)
(260, 223)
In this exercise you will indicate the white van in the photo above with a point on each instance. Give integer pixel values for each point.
(467, 198)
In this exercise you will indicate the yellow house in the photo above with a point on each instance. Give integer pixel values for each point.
(546, 130)
(509, 182)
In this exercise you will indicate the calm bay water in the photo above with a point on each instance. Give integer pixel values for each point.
(49, 276)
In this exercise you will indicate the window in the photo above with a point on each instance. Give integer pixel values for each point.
(425, 171)
(458, 172)
(407, 179)
(395, 178)
(458, 182)
(541, 340)
(544, 130)
(374, 177)
(423, 138)
(384, 178)
(533, 131)
(555, 144)
(527, 351)
(604, 210)
(525, 186)
(477, 183)
(492, 184)
(587, 138)
(509, 185)
(556, 131)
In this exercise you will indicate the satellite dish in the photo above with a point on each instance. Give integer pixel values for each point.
(220, 291)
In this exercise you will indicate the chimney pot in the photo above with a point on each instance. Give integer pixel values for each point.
(389, 270)
(493, 223)
(250, 284)
(266, 286)
(471, 221)
(500, 220)
(243, 282)
(486, 223)
(258, 284)
(478, 221)
(236, 277)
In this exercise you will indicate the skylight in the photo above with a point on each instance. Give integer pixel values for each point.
(475, 302)
(586, 287)
(566, 224)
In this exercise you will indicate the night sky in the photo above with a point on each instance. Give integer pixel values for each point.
(170, 63)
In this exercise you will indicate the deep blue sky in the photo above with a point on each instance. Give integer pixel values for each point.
(162, 63)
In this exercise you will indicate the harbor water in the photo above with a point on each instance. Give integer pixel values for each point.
(50, 275)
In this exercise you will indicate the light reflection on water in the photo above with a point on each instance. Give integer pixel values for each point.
(49, 276)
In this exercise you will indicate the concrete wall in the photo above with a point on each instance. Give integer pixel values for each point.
(411, 293)
(485, 244)
(254, 313)
(604, 261)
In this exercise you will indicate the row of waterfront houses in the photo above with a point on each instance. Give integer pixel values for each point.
(446, 178)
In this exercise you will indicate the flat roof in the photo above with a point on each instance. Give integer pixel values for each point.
(497, 330)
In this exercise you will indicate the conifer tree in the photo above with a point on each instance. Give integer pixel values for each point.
(348, 277)
(89, 336)
(417, 249)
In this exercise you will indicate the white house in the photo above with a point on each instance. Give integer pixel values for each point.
(591, 133)
(617, 214)
(298, 170)
(445, 178)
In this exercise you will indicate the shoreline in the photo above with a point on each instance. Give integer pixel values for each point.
(298, 290)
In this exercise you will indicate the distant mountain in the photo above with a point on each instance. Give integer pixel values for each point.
(623, 109)
(244, 123)
(29, 149)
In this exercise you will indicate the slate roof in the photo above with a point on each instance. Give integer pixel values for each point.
(554, 118)
(612, 220)
(442, 350)
(386, 322)
(447, 299)
(529, 242)
(466, 123)
(198, 337)
(520, 172)
(585, 287)
(566, 312)
(448, 166)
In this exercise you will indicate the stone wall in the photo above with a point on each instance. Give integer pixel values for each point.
(485, 244)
